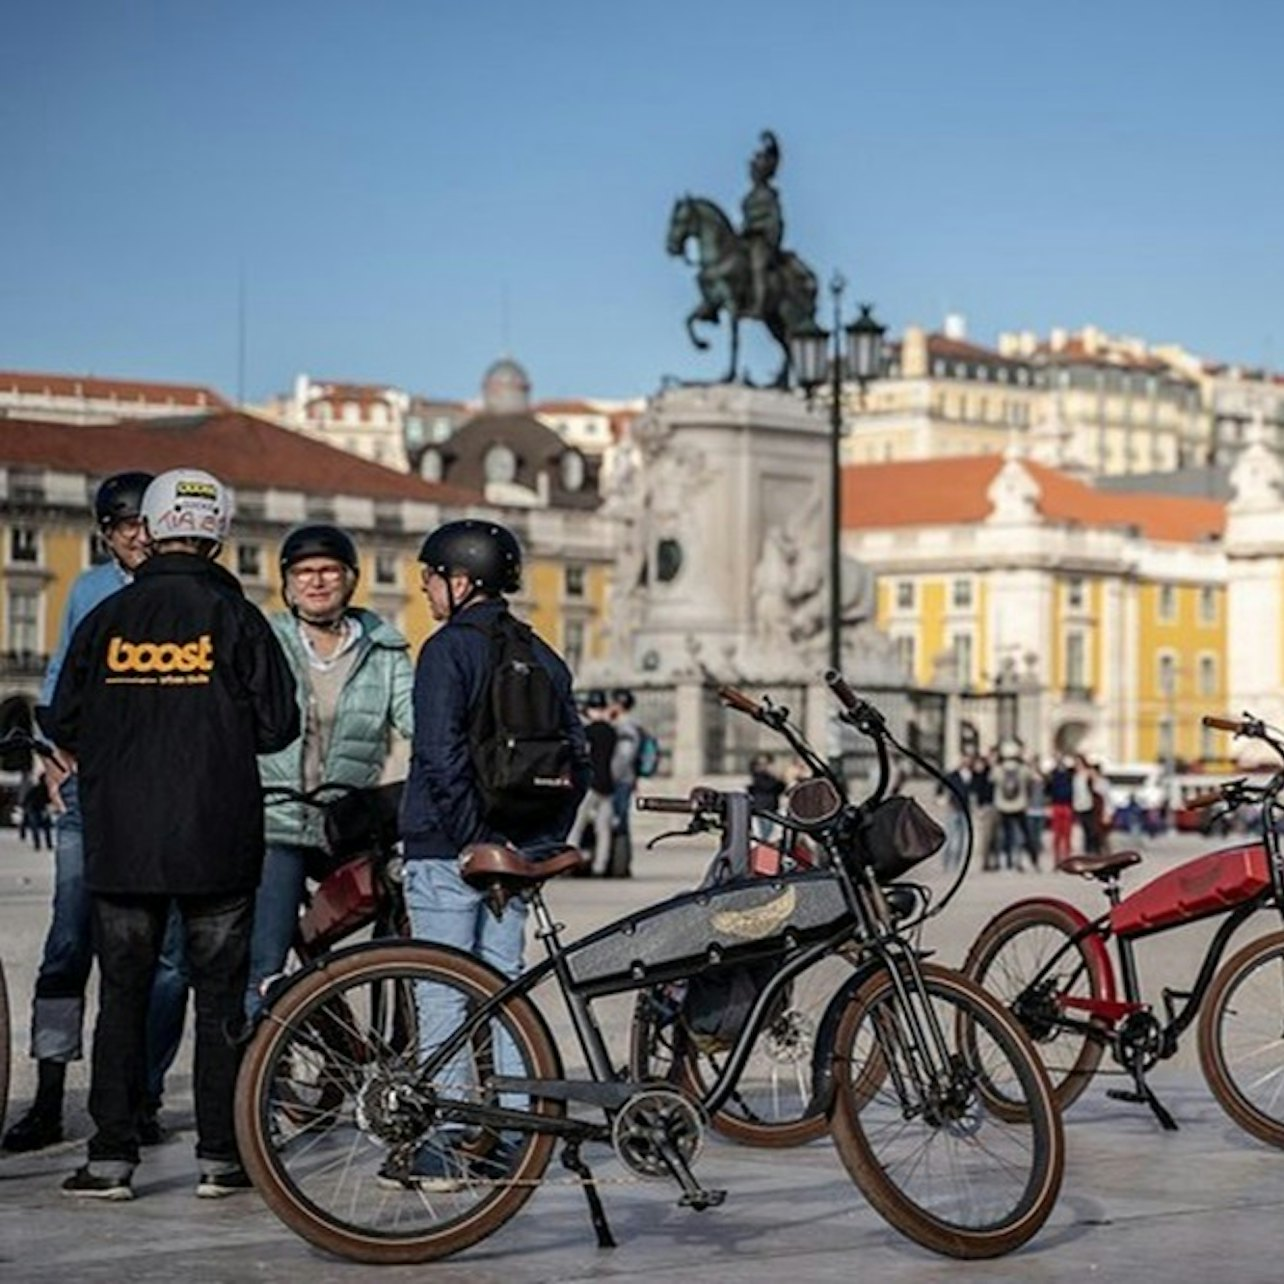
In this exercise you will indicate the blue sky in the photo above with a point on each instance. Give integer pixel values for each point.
(411, 188)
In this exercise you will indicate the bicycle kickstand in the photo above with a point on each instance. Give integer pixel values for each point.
(572, 1160)
(1143, 1094)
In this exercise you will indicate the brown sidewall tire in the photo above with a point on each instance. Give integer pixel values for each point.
(348, 1242)
(5, 1048)
(1068, 1082)
(887, 1198)
(1211, 1053)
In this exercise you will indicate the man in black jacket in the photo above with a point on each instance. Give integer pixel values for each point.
(468, 566)
(170, 690)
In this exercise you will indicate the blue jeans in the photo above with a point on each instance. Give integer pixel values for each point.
(58, 1008)
(128, 934)
(444, 909)
(276, 915)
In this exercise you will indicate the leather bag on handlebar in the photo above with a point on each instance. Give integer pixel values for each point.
(896, 835)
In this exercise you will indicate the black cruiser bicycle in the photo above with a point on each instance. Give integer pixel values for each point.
(442, 1127)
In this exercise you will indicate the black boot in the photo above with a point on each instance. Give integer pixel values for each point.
(41, 1126)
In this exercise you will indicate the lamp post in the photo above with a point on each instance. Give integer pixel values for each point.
(816, 360)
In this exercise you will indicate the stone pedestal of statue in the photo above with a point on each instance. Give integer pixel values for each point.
(731, 530)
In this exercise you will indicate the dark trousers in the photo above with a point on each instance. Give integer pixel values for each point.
(128, 932)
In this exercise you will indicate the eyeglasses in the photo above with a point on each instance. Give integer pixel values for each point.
(324, 574)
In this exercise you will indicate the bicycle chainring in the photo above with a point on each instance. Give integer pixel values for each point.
(650, 1118)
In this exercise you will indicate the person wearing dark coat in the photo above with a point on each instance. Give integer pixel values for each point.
(171, 689)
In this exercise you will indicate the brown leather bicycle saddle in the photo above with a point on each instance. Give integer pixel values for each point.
(483, 864)
(1099, 866)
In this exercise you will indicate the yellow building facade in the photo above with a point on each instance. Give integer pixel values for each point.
(47, 480)
(1106, 612)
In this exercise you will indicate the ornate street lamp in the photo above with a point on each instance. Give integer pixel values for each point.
(814, 362)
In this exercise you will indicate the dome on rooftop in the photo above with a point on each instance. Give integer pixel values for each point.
(506, 388)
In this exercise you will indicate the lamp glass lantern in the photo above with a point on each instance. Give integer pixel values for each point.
(865, 346)
(809, 354)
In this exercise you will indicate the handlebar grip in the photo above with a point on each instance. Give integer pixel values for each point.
(684, 805)
(1197, 802)
(737, 700)
(1223, 724)
(838, 685)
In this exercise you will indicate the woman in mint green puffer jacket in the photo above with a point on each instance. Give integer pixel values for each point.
(354, 689)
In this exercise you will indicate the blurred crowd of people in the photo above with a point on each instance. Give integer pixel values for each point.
(1018, 807)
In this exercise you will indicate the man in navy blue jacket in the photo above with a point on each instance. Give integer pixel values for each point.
(468, 567)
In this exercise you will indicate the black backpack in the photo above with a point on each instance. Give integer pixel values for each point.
(520, 749)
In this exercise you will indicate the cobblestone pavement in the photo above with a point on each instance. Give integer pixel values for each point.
(1202, 1203)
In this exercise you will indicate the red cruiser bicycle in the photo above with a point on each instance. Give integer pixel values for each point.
(1049, 963)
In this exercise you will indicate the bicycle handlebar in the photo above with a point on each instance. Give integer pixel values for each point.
(844, 694)
(737, 700)
(1197, 802)
(1235, 725)
(684, 805)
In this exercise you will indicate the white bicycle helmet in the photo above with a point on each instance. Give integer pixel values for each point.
(187, 503)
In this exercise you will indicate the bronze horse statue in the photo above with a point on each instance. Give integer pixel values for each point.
(724, 277)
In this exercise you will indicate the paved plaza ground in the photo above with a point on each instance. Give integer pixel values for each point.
(1204, 1203)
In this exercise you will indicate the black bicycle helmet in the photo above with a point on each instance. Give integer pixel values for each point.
(486, 552)
(119, 498)
(319, 541)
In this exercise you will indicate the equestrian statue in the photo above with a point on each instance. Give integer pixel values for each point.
(746, 274)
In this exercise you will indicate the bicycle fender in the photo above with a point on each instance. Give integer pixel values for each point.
(1093, 942)
(822, 1070)
(283, 982)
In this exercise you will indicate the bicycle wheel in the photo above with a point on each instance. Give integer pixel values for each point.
(922, 1141)
(1024, 958)
(5, 1039)
(769, 1105)
(337, 1130)
(1241, 1038)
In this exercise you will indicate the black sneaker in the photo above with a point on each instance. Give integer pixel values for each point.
(230, 1181)
(34, 1131)
(82, 1184)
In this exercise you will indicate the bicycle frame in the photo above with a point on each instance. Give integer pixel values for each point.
(1234, 883)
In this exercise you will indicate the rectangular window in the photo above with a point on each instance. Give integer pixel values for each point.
(24, 545)
(1207, 675)
(386, 568)
(24, 622)
(904, 595)
(1167, 602)
(1208, 605)
(573, 643)
(961, 645)
(1074, 593)
(574, 581)
(1076, 661)
(1167, 744)
(1167, 673)
(961, 594)
(904, 648)
(249, 561)
(1207, 743)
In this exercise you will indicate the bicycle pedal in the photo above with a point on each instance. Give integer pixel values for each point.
(699, 1200)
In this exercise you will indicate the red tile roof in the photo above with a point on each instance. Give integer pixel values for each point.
(569, 407)
(91, 387)
(947, 492)
(237, 448)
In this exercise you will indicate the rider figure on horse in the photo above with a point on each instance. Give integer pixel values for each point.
(764, 222)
